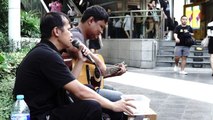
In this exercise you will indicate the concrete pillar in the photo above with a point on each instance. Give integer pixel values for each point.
(171, 5)
(171, 8)
(14, 27)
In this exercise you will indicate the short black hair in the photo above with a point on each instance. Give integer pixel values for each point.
(183, 16)
(152, 1)
(49, 21)
(96, 11)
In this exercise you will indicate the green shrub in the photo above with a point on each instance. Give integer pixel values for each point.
(4, 25)
(29, 24)
(8, 65)
(4, 43)
(4, 15)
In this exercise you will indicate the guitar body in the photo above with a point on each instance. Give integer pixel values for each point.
(89, 74)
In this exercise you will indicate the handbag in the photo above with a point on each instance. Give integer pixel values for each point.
(190, 41)
(205, 42)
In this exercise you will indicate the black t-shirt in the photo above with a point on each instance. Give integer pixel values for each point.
(41, 77)
(183, 33)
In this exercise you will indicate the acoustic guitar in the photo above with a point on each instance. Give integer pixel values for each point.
(91, 74)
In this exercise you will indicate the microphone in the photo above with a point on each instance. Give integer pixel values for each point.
(76, 43)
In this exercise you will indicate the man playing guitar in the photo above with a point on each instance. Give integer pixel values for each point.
(90, 27)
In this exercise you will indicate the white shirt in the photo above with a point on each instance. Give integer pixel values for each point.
(128, 23)
(210, 29)
(118, 24)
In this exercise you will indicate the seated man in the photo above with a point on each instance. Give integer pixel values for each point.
(44, 79)
(92, 24)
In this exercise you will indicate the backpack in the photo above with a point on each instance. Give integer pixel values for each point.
(189, 41)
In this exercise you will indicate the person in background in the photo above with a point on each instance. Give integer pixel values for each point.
(111, 28)
(152, 5)
(150, 27)
(181, 34)
(210, 45)
(72, 13)
(55, 6)
(45, 80)
(150, 23)
(169, 24)
(118, 28)
(138, 25)
(128, 24)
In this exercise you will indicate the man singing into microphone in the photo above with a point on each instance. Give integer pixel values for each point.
(92, 24)
(44, 79)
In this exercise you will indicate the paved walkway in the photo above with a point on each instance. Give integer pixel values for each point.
(173, 96)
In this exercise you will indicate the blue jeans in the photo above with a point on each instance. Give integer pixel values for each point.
(113, 96)
(181, 51)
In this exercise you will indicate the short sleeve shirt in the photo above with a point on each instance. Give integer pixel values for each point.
(183, 33)
(41, 77)
(210, 29)
(78, 35)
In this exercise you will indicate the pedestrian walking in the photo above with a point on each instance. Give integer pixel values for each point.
(210, 45)
(182, 34)
(128, 24)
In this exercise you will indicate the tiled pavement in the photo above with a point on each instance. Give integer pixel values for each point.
(173, 96)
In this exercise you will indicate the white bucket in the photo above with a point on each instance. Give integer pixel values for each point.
(141, 103)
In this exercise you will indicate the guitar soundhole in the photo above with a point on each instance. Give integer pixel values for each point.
(97, 74)
(94, 82)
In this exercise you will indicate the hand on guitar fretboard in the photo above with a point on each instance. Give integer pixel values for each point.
(116, 70)
(91, 74)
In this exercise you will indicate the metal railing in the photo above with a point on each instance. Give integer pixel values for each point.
(140, 23)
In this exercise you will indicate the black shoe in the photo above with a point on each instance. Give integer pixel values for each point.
(212, 74)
